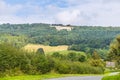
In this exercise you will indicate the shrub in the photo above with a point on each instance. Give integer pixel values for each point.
(11, 58)
(82, 58)
(69, 67)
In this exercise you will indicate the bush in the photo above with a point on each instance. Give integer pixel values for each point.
(69, 67)
(11, 58)
(41, 63)
(62, 67)
(72, 56)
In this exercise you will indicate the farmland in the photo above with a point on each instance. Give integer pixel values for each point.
(34, 47)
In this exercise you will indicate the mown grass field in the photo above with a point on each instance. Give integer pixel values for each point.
(34, 47)
(50, 49)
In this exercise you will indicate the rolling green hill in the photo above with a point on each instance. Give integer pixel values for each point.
(80, 38)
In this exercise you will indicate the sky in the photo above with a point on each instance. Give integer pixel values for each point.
(74, 12)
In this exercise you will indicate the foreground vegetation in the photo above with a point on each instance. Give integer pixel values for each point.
(113, 77)
(14, 62)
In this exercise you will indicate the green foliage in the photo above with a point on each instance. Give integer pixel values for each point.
(72, 56)
(114, 52)
(41, 64)
(68, 67)
(95, 55)
(82, 58)
(57, 55)
(14, 61)
(17, 41)
(97, 63)
(96, 60)
(103, 53)
(11, 58)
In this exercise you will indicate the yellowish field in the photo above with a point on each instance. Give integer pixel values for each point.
(34, 47)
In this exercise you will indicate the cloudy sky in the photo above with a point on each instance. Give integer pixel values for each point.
(76, 12)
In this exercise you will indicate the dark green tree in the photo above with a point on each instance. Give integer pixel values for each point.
(82, 58)
(41, 51)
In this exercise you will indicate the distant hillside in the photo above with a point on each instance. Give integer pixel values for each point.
(80, 38)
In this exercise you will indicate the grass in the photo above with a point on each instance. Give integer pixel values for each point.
(113, 77)
(67, 51)
(108, 70)
(32, 77)
(42, 77)
(34, 47)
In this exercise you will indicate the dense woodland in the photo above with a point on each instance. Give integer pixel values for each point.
(80, 38)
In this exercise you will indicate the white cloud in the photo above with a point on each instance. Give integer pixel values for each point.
(67, 17)
(92, 13)
(79, 12)
(7, 13)
(6, 9)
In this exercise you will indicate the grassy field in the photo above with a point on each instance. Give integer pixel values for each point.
(29, 77)
(112, 77)
(41, 77)
(34, 47)
(50, 49)
(32, 77)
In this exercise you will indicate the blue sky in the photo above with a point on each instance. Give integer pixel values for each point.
(76, 12)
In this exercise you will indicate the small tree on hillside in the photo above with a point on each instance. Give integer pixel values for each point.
(114, 52)
(82, 58)
(96, 60)
(72, 56)
(41, 51)
(95, 55)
